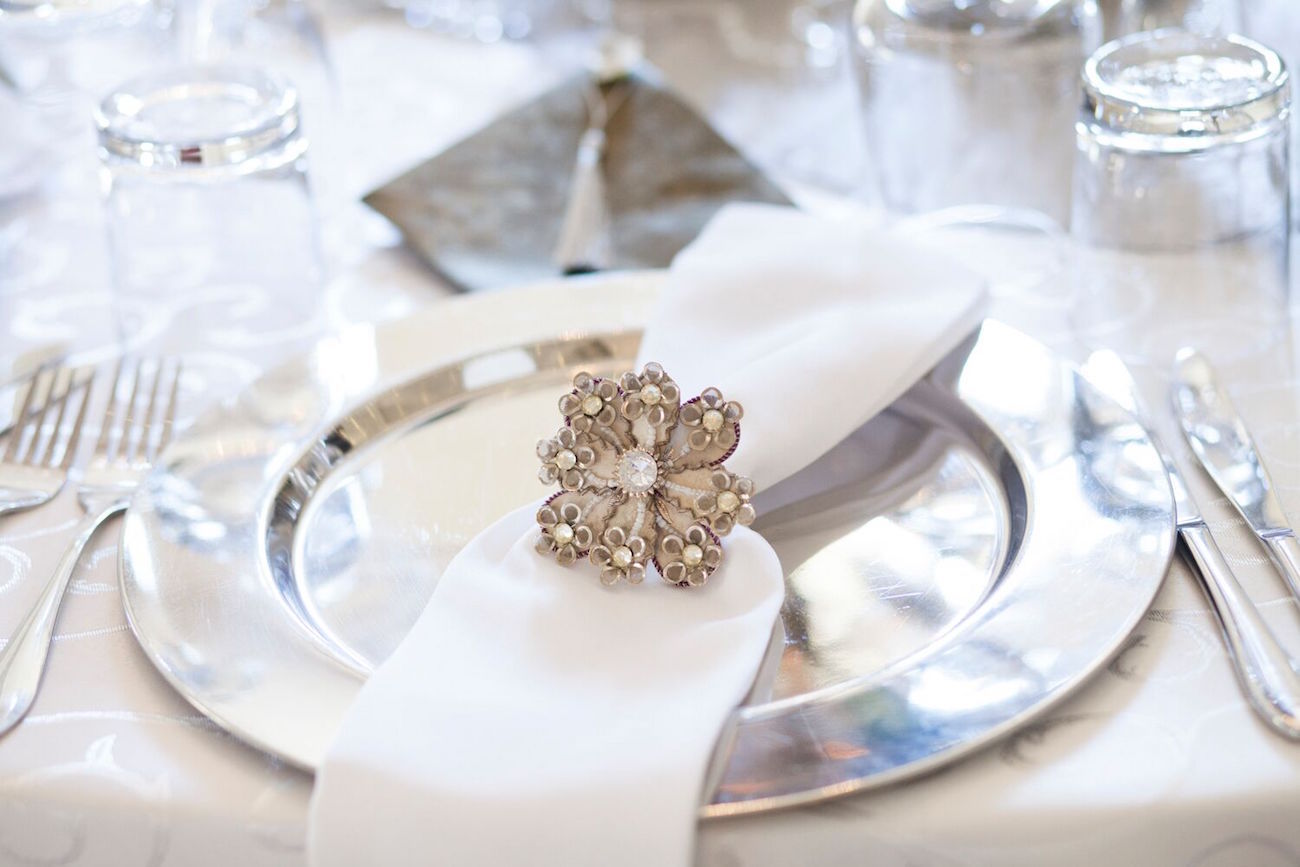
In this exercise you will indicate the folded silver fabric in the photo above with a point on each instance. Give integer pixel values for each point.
(487, 212)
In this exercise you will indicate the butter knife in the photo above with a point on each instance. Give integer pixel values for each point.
(1224, 447)
(1263, 668)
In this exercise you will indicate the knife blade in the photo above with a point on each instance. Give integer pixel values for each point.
(1264, 670)
(1223, 445)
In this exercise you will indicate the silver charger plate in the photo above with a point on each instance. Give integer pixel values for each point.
(955, 567)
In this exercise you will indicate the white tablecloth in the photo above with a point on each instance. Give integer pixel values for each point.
(1155, 761)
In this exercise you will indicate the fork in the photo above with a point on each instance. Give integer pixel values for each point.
(133, 432)
(38, 452)
(20, 372)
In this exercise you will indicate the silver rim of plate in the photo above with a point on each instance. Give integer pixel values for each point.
(956, 567)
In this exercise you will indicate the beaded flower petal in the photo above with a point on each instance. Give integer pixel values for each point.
(641, 477)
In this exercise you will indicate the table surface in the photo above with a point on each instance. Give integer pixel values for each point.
(1157, 760)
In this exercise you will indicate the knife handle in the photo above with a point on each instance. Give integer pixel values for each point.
(1286, 554)
(1263, 668)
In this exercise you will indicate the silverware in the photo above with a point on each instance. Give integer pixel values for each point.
(1219, 439)
(135, 428)
(1263, 668)
(21, 370)
(40, 447)
(29, 361)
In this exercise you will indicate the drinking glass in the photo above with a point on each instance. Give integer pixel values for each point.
(971, 101)
(286, 38)
(479, 20)
(1211, 17)
(1181, 196)
(46, 46)
(56, 56)
(211, 225)
(1276, 23)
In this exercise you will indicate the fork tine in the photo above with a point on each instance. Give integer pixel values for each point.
(147, 428)
(74, 438)
(168, 419)
(169, 416)
(18, 431)
(110, 413)
(127, 449)
(56, 397)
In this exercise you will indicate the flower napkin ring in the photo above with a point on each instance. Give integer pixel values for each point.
(642, 479)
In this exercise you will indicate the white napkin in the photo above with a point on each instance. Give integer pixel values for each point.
(536, 717)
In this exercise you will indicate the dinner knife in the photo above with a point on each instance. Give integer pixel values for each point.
(1263, 669)
(1219, 439)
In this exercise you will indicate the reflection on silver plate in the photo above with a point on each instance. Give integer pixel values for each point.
(960, 563)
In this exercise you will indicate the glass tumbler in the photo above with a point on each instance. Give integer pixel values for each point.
(971, 101)
(212, 230)
(56, 56)
(1276, 23)
(1220, 17)
(1181, 196)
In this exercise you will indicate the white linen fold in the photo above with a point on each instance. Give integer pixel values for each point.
(533, 716)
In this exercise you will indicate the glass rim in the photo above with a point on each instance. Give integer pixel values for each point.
(25, 7)
(967, 29)
(272, 117)
(53, 8)
(34, 16)
(1111, 109)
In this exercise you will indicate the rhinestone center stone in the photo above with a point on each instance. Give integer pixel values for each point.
(637, 471)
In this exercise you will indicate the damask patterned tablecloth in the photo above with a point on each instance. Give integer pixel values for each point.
(1157, 760)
